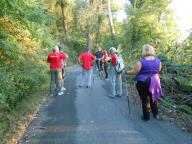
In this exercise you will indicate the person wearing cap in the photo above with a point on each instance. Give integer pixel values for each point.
(116, 81)
(86, 60)
(148, 83)
(55, 59)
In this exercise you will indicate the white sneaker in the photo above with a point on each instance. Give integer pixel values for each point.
(63, 89)
(111, 96)
(60, 93)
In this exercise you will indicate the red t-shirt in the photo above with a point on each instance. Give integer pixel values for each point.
(113, 59)
(55, 59)
(86, 59)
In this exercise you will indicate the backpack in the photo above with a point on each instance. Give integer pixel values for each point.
(119, 64)
(99, 54)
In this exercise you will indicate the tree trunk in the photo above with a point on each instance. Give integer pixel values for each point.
(98, 35)
(89, 30)
(110, 18)
(137, 3)
(64, 23)
(89, 39)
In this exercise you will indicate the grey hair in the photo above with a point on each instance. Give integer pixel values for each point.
(148, 50)
(112, 50)
(56, 48)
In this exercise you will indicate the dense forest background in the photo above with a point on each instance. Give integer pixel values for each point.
(29, 29)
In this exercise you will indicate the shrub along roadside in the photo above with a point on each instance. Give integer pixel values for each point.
(13, 122)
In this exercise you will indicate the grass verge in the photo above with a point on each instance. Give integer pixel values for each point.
(13, 123)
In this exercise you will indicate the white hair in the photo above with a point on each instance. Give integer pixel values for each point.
(56, 48)
(148, 50)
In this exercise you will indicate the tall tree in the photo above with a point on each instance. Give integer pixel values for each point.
(110, 18)
(87, 21)
(63, 4)
(151, 22)
(99, 23)
(63, 17)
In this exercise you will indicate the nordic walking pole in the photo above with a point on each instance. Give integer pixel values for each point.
(126, 94)
(92, 78)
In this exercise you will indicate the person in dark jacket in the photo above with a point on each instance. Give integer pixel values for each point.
(99, 57)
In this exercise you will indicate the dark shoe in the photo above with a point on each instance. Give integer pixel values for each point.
(145, 119)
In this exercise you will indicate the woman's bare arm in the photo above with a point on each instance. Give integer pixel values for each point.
(136, 68)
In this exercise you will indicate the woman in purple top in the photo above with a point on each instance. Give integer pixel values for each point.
(148, 82)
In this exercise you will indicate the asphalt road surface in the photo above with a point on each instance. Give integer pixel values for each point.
(89, 116)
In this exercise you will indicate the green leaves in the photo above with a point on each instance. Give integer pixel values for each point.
(24, 34)
(2, 98)
(150, 22)
(184, 83)
(10, 49)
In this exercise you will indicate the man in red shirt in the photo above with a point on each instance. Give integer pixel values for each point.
(55, 59)
(86, 60)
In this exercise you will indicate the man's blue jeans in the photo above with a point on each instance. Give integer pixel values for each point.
(116, 82)
(86, 77)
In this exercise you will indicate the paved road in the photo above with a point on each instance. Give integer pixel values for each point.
(89, 116)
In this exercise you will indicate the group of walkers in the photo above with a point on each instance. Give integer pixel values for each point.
(146, 70)
(102, 60)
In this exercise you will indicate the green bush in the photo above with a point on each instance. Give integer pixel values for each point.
(184, 83)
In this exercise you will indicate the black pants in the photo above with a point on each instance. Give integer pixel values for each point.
(99, 64)
(105, 69)
(146, 98)
(63, 72)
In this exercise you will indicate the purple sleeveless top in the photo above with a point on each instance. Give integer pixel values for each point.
(148, 68)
